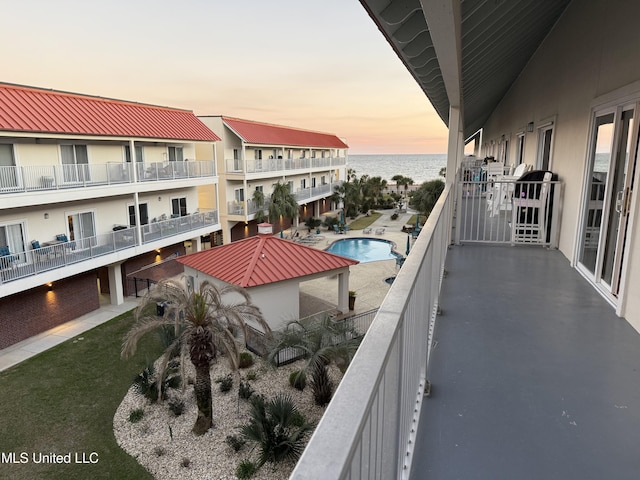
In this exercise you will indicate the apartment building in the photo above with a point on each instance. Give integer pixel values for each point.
(254, 156)
(91, 190)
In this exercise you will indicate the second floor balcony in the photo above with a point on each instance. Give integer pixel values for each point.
(62, 252)
(77, 176)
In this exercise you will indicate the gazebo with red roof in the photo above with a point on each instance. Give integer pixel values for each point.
(271, 269)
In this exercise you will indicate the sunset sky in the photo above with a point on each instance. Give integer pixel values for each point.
(318, 65)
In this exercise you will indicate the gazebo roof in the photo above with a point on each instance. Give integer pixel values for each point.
(263, 259)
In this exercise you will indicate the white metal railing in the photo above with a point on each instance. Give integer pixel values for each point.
(368, 429)
(282, 164)
(508, 211)
(58, 254)
(58, 177)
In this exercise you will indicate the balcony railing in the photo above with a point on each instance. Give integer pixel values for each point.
(58, 254)
(303, 194)
(282, 164)
(58, 177)
(368, 429)
(508, 212)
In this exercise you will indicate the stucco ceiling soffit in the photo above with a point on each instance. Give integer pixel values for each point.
(418, 45)
(433, 80)
(398, 11)
(411, 28)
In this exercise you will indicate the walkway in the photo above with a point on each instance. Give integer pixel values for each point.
(534, 377)
(30, 347)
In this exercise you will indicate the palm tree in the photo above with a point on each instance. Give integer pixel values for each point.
(398, 179)
(425, 197)
(259, 201)
(321, 343)
(283, 203)
(205, 321)
(406, 181)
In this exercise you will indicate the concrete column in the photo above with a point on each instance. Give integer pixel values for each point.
(196, 244)
(343, 291)
(115, 284)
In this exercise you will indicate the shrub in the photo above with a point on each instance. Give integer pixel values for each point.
(146, 382)
(246, 360)
(159, 451)
(225, 382)
(298, 380)
(244, 390)
(246, 469)
(235, 442)
(272, 428)
(322, 386)
(136, 415)
(176, 405)
(394, 216)
(185, 462)
(252, 375)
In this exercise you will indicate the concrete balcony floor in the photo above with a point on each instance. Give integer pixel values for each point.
(534, 376)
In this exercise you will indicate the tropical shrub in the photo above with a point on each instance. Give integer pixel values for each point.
(235, 442)
(176, 405)
(245, 360)
(136, 415)
(298, 380)
(225, 382)
(146, 382)
(246, 469)
(276, 429)
(245, 390)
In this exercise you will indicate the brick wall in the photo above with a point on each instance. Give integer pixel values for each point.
(28, 313)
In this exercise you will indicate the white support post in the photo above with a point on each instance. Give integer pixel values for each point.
(116, 291)
(343, 291)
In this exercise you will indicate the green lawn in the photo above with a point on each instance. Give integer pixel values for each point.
(63, 401)
(364, 221)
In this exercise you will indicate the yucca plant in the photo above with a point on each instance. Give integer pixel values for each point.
(277, 428)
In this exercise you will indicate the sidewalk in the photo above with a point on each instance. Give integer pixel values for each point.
(30, 347)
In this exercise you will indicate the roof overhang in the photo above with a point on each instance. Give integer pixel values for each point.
(465, 54)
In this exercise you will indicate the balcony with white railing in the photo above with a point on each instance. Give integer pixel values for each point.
(270, 165)
(485, 368)
(61, 177)
(304, 195)
(57, 254)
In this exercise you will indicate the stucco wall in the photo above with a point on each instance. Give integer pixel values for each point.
(592, 51)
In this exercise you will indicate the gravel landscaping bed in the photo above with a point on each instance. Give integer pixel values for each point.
(164, 444)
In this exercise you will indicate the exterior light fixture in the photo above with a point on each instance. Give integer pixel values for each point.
(46, 216)
(50, 286)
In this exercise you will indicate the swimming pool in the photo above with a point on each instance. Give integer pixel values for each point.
(364, 249)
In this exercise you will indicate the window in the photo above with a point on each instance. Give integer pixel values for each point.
(138, 152)
(302, 153)
(303, 183)
(239, 195)
(237, 164)
(545, 138)
(257, 154)
(290, 183)
(9, 175)
(12, 236)
(259, 188)
(179, 206)
(75, 162)
(175, 154)
(144, 214)
(520, 149)
(81, 225)
(313, 154)
(313, 182)
(323, 180)
(289, 154)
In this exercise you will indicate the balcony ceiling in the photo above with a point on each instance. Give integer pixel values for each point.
(465, 53)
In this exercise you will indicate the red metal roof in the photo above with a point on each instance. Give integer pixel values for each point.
(29, 109)
(263, 259)
(267, 134)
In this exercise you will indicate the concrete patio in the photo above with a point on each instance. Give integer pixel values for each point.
(534, 376)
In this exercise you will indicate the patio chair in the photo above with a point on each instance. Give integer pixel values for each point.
(366, 230)
(500, 196)
(380, 231)
(335, 228)
(529, 221)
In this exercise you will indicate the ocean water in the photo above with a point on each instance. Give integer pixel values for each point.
(420, 168)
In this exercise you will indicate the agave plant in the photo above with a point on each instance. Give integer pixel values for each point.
(277, 427)
(205, 322)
